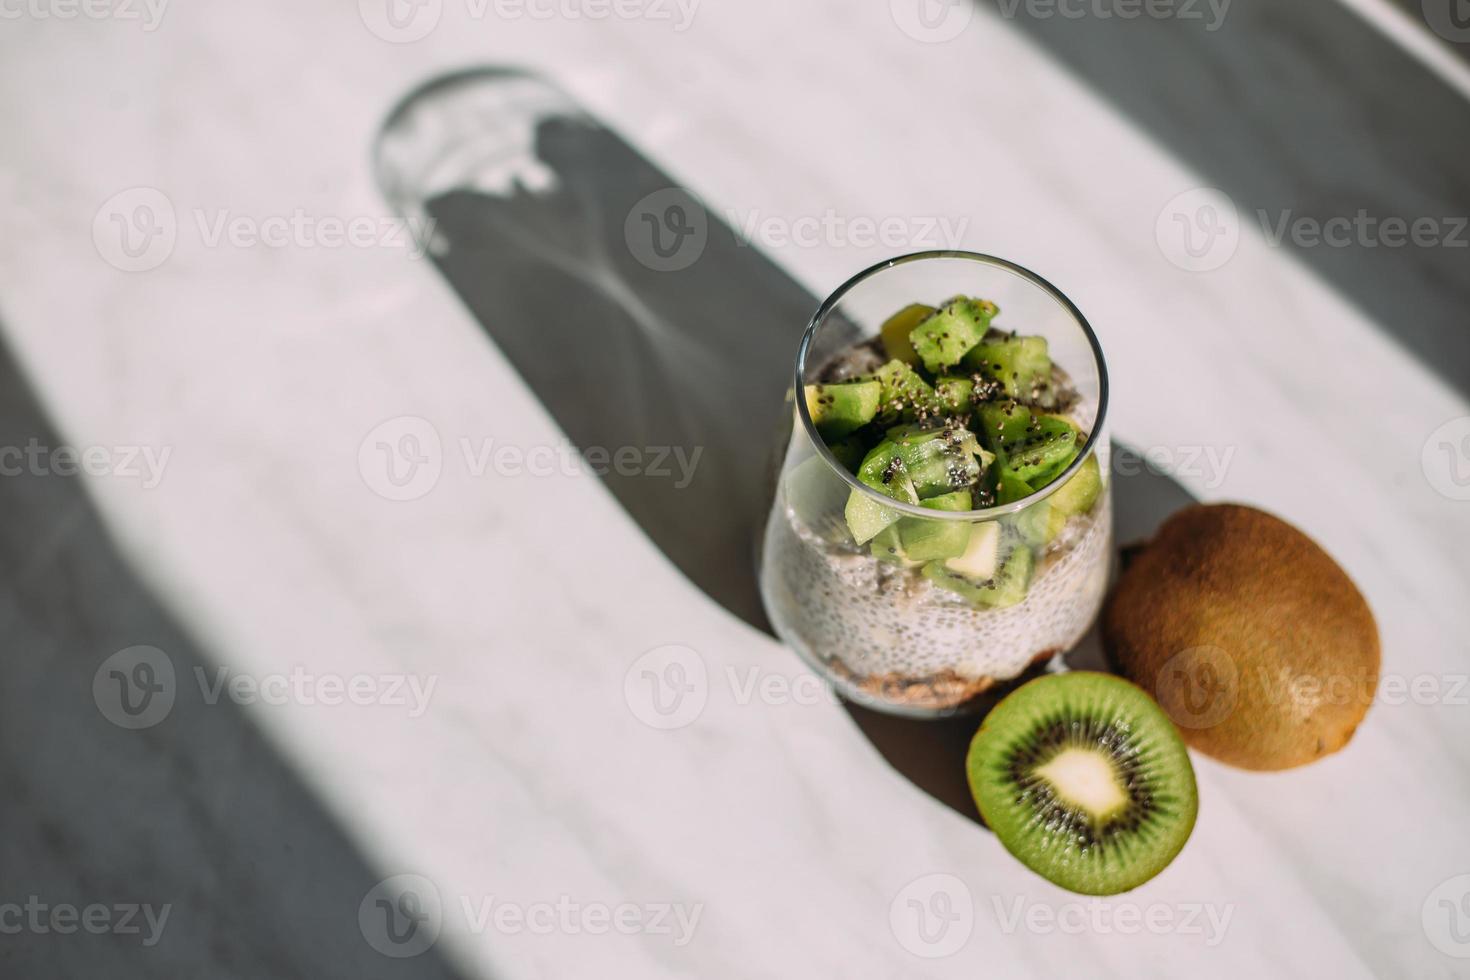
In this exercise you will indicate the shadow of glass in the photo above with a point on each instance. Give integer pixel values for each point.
(1305, 115)
(547, 226)
(186, 808)
(660, 342)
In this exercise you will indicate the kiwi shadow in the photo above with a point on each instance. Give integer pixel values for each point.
(931, 754)
(181, 809)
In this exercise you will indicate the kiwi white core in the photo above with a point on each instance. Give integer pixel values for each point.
(1086, 780)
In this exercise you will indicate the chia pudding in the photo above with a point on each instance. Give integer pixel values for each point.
(921, 576)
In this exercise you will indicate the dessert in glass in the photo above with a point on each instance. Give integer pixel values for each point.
(942, 518)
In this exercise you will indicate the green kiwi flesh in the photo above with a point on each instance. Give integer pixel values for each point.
(1085, 780)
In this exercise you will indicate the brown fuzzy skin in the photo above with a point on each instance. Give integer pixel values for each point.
(1252, 638)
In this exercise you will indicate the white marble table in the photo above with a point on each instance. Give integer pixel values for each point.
(528, 777)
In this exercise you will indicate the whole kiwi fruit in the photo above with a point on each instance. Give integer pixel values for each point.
(1254, 641)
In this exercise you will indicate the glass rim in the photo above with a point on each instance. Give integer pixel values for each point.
(914, 510)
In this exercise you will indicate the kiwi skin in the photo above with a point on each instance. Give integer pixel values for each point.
(1287, 644)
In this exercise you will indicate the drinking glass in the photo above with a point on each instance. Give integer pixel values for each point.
(880, 631)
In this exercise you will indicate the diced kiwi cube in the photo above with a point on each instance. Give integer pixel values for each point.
(1033, 524)
(866, 518)
(1008, 486)
(904, 395)
(838, 410)
(887, 546)
(1006, 587)
(925, 540)
(1003, 424)
(953, 394)
(1021, 364)
(1047, 450)
(940, 460)
(896, 329)
(883, 470)
(981, 556)
(943, 339)
(1078, 494)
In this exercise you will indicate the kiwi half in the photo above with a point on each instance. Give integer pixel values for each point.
(1085, 780)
